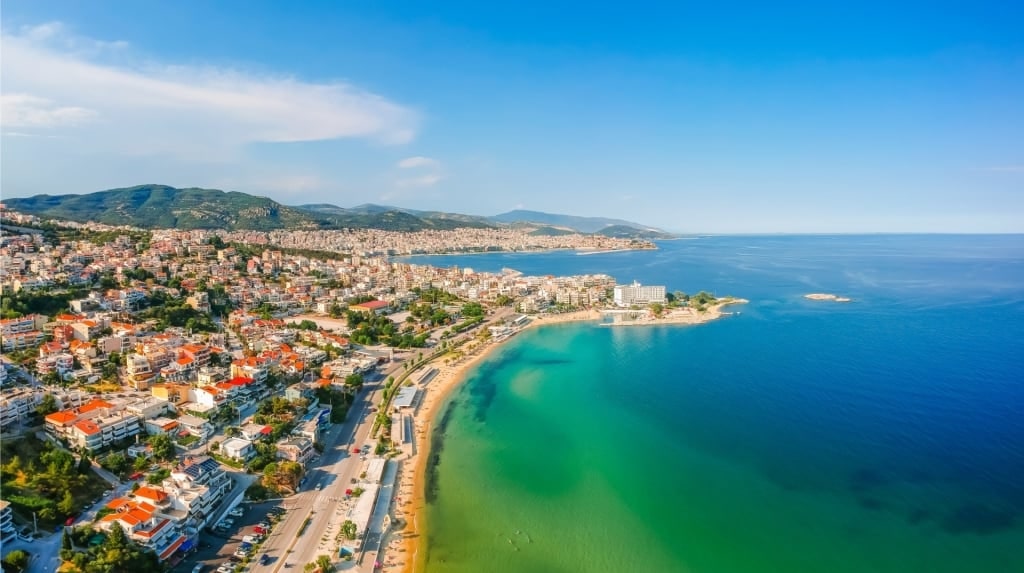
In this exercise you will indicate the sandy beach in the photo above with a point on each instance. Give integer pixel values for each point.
(400, 553)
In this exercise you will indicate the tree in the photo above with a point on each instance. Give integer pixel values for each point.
(115, 463)
(116, 539)
(348, 529)
(657, 308)
(67, 503)
(47, 406)
(67, 549)
(84, 465)
(324, 563)
(163, 447)
(17, 560)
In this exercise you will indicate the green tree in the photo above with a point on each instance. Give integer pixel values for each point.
(657, 308)
(116, 539)
(348, 529)
(47, 405)
(84, 465)
(162, 447)
(17, 560)
(115, 463)
(67, 503)
(472, 309)
(324, 563)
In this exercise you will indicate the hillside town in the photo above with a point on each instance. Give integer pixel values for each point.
(177, 376)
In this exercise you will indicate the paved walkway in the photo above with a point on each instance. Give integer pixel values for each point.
(380, 520)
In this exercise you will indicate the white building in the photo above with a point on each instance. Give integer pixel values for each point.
(626, 295)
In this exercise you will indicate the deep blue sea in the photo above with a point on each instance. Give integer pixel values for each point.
(885, 434)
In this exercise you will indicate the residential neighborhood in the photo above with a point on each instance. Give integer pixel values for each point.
(195, 370)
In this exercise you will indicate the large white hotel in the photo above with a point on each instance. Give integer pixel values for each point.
(626, 295)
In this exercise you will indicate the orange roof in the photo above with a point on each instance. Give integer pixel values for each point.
(94, 404)
(88, 427)
(151, 493)
(149, 533)
(62, 417)
(323, 382)
(118, 502)
(184, 361)
(172, 548)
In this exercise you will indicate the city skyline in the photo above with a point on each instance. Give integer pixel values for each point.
(790, 120)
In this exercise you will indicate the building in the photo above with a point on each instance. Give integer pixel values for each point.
(627, 295)
(144, 522)
(405, 399)
(237, 448)
(296, 449)
(6, 520)
(94, 425)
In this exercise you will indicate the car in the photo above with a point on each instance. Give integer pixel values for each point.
(225, 569)
(259, 530)
(264, 559)
(245, 545)
(264, 525)
(26, 538)
(198, 568)
(241, 554)
(70, 520)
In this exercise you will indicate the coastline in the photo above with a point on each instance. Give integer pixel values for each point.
(682, 316)
(402, 547)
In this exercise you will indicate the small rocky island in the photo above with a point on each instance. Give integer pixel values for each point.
(824, 296)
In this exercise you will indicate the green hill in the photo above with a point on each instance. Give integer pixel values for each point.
(161, 206)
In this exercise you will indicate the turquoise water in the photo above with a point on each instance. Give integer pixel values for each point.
(882, 435)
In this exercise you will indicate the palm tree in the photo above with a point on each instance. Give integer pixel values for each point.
(324, 563)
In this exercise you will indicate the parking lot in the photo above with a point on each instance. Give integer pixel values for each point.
(217, 546)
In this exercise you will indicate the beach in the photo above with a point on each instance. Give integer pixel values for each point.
(401, 548)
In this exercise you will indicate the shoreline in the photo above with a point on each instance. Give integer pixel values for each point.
(682, 316)
(401, 548)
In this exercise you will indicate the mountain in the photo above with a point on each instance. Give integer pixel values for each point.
(434, 219)
(168, 207)
(601, 225)
(161, 206)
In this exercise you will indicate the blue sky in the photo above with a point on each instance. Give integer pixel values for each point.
(859, 118)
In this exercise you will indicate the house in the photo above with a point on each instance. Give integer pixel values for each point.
(163, 426)
(196, 426)
(371, 307)
(255, 432)
(296, 449)
(238, 449)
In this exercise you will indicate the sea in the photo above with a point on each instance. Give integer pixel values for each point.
(881, 435)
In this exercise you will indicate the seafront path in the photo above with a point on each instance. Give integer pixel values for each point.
(293, 540)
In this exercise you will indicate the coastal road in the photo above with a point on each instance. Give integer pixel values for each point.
(335, 469)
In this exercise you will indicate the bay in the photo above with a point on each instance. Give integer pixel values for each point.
(886, 434)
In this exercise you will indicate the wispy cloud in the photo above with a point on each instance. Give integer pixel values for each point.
(54, 81)
(417, 161)
(430, 172)
(24, 110)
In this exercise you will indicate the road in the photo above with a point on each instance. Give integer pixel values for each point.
(335, 470)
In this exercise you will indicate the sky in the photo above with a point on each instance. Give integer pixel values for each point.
(693, 117)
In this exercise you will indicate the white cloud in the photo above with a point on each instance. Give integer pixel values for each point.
(418, 161)
(56, 81)
(421, 181)
(23, 110)
(431, 172)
